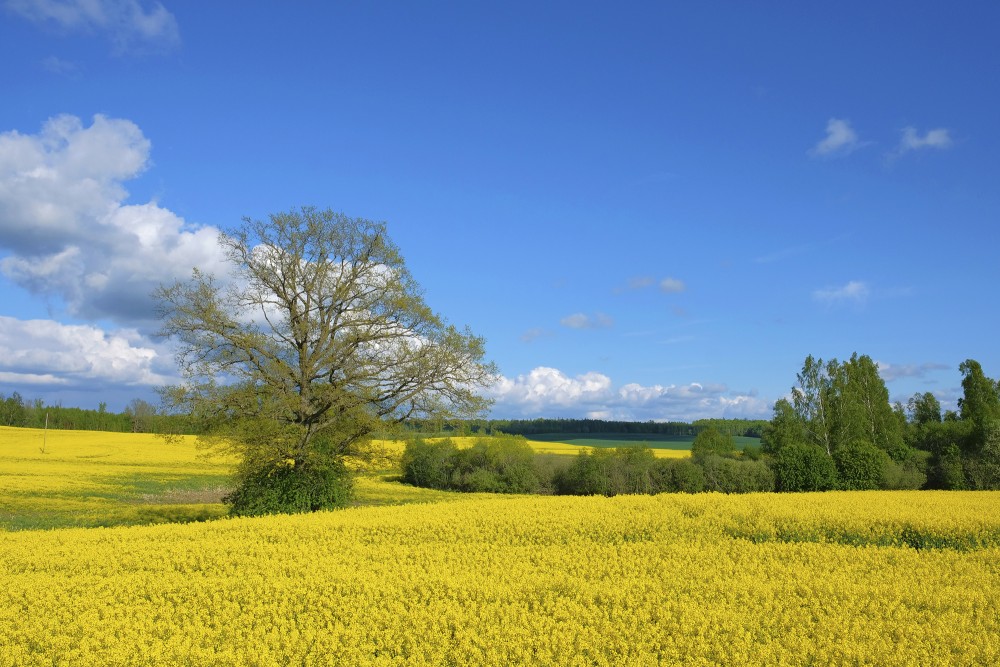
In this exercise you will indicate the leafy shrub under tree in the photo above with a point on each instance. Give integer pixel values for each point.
(288, 486)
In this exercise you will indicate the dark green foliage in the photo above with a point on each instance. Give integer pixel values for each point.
(501, 464)
(785, 428)
(710, 442)
(677, 476)
(587, 475)
(429, 463)
(946, 470)
(861, 465)
(804, 467)
(284, 487)
(610, 472)
(909, 473)
(727, 475)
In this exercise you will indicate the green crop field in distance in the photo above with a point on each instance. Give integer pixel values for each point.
(651, 440)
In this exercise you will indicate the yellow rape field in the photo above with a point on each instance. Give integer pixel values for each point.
(438, 578)
(673, 579)
(88, 478)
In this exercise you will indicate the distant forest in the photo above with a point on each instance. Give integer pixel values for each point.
(139, 416)
(144, 417)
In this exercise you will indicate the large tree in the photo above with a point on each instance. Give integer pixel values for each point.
(317, 338)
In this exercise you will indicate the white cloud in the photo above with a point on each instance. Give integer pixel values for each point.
(47, 353)
(548, 392)
(64, 219)
(672, 285)
(855, 290)
(911, 141)
(128, 24)
(840, 139)
(582, 321)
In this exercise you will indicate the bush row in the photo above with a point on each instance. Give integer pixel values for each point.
(507, 464)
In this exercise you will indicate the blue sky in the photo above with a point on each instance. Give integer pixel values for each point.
(650, 210)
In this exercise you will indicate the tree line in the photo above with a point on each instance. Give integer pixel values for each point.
(839, 431)
(139, 416)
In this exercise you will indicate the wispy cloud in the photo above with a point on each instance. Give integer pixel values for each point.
(534, 334)
(840, 139)
(55, 65)
(856, 291)
(666, 285)
(640, 282)
(890, 372)
(672, 285)
(911, 140)
(129, 24)
(583, 321)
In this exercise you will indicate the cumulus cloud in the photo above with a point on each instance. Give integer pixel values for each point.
(855, 291)
(840, 139)
(47, 353)
(127, 23)
(582, 321)
(912, 141)
(549, 392)
(70, 234)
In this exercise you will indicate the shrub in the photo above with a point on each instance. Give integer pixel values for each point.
(677, 476)
(501, 464)
(609, 472)
(861, 464)
(804, 467)
(429, 464)
(289, 486)
(946, 469)
(727, 475)
(906, 474)
(585, 476)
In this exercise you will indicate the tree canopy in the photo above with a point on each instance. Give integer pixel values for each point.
(318, 337)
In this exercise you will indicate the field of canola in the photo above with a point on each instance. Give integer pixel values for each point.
(865, 578)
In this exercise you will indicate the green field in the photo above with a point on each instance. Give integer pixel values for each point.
(651, 440)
